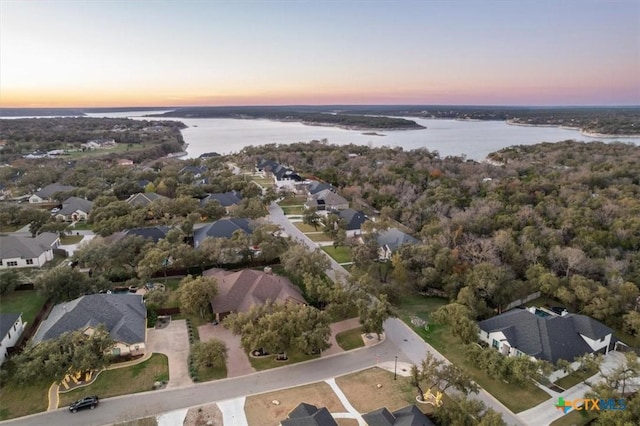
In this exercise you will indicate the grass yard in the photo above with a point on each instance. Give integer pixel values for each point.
(575, 378)
(82, 226)
(307, 228)
(17, 400)
(319, 237)
(290, 210)
(29, 302)
(574, 418)
(71, 239)
(340, 254)
(123, 381)
(214, 373)
(268, 362)
(9, 228)
(363, 393)
(417, 305)
(263, 182)
(350, 339)
(261, 410)
(120, 148)
(292, 201)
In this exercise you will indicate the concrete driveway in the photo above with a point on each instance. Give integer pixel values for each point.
(237, 360)
(173, 341)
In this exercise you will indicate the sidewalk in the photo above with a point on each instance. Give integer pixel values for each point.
(338, 327)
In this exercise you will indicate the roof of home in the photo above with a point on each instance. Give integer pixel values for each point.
(329, 197)
(144, 198)
(550, 337)
(394, 238)
(49, 190)
(352, 218)
(23, 247)
(6, 322)
(239, 291)
(223, 228)
(123, 315)
(225, 199)
(315, 187)
(73, 204)
(279, 171)
(155, 233)
(407, 416)
(309, 415)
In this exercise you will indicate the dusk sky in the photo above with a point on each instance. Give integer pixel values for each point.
(172, 53)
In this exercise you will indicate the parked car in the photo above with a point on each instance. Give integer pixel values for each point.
(86, 402)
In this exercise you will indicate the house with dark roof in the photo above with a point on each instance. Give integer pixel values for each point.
(123, 315)
(284, 177)
(45, 195)
(391, 240)
(228, 200)
(11, 328)
(353, 220)
(74, 209)
(17, 251)
(152, 233)
(142, 199)
(314, 186)
(239, 291)
(326, 200)
(543, 334)
(309, 415)
(223, 228)
(407, 416)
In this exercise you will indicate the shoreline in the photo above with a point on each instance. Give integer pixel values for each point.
(578, 129)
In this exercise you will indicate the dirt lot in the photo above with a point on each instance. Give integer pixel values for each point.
(260, 409)
(204, 416)
(362, 392)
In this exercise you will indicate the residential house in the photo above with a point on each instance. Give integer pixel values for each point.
(543, 334)
(223, 228)
(228, 200)
(123, 315)
(124, 162)
(391, 240)
(11, 328)
(284, 177)
(142, 199)
(309, 415)
(74, 209)
(326, 200)
(45, 195)
(353, 220)
(239, 291)
(407, 416)
(18, 251)
(103, 143)
(197, 174)
(314, 186)
(153, 233)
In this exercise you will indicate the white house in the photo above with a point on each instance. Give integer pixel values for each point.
(27, 252)
(543, 334)
(11, 328)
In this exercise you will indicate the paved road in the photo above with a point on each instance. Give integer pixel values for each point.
(134, 406)
(278, 217)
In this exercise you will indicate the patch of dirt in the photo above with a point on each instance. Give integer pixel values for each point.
(261, 410)
(206, 415)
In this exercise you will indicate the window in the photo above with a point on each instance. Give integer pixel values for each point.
(29, 261)
(0, 262)
(495, 344)
(12, 263)
(9, 334)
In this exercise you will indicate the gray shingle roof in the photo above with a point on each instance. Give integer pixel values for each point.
(13, 246)
(407, 416)
(223, 228)
(49, 190)
(315, 187)
(225, 199)
(330, 198)
(309, 415)
(6, 322)
(144, 198)
(155, 233)
(394, 238)
(549, 338)
(124, 316)
(352, 218)
(72, 204)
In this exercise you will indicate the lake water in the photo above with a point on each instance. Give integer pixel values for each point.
(473, 139)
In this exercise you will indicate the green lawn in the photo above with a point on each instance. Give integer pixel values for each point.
(292, 201)
(320, 237)
(17, 400)
(291, 210)
(268, 362)
(340, 254)
(350, 339)
(120, 148)
(9, 228)
(123, 381)
(575, 418)
(29, 302)
(575, 378)
(71, 239)
(307, 228)
(81, 226)
(263, 182)
(214, 373)
(516, 398)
